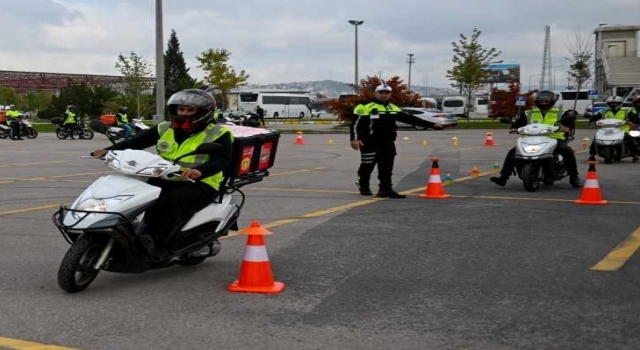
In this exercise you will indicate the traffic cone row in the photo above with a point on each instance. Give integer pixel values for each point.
(255, 273)
(434, 188)
(591, 193)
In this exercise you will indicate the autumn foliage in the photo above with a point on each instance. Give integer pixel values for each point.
(503, 102)
(400, 96)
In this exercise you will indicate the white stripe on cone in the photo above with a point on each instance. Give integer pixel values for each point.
(256, 253)
(434, 179)
(592, 183)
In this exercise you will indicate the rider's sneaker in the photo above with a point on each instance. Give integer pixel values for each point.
(575, 181)
(499, 180)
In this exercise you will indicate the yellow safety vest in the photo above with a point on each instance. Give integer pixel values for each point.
(621, 114)
(13, 114)
(124, 118)
(168, 148)
(71, 117)
(366, 109)
(551, 118)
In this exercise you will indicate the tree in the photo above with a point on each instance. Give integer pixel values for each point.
(400, 96)
(90, 101)
(176, 73)
(36, 101)
(581, 53)
(219, 74)
(137, 73)
(470, 59)
(503, 102)
(8, 95)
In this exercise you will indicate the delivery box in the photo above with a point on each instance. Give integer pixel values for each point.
(254, 152)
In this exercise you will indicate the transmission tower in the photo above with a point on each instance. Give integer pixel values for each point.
(545, 77)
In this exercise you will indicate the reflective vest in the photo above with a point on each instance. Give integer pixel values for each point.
(169, 149)
(377, 121)
(122, 118)
(551, 118)
(71, 117)
(621, 114)
(13, 114)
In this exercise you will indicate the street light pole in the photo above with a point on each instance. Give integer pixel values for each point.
(159, 62)
(410, 60)
(356, 23)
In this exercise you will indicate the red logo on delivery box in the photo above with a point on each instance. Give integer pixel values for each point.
(265, 155)
(245, 160)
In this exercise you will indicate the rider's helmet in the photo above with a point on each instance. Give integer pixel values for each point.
(636, 102)
(123, 109)
(12, 107)
(545, 99)
(71, 108)
(202, 100)
(614, 102)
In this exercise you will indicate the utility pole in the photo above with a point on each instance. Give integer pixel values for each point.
(356, 23)
(159, 62)
(410, 60)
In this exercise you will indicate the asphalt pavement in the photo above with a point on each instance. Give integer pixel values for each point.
(488, 268)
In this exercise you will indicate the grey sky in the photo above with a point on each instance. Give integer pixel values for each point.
(299, 40)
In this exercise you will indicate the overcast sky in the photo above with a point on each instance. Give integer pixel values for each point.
(299, 40)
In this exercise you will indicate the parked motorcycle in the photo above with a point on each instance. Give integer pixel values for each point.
(535, 159)
(115, 133)
(609, 140)
(26, 129)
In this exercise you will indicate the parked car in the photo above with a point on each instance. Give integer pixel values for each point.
(438, 119)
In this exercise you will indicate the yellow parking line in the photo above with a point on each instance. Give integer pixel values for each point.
(49, 178)
(620, 254)
(38, 163)
(298, 171)
(24, 210)
(18, 344)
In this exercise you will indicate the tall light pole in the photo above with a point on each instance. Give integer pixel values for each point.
(159, 61)
(356, 23)
(554, 75)
(410, 60)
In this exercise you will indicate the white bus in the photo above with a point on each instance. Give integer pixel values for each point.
(568, 98)
(275, 104)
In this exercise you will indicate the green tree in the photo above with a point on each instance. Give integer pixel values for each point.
(176, 73)
(90, 101)
(139, 85)
(219, 74)
(581, 53)
(400, 96)
(470, 59)
(8, 95)
(35, 101)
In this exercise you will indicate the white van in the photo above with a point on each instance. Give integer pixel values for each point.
(481, 105)
(433, 104)
(454, 105)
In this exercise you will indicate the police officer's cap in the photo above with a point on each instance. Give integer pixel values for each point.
(383, 87)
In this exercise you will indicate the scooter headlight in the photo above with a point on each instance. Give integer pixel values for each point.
(534, 148)
(634, 133)
(154, 171)
(98, 205)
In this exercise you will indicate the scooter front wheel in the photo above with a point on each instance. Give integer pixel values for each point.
(608, 155)
(77, 267)
(530, 177)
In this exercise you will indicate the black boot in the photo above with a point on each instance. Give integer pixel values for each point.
(499, 180)
(389, 194)
(575, 182)
(364, 188)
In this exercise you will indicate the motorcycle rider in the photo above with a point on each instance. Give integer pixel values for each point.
(615, 111)
(191, 124)
(634, 113)
(122, 121)
(70, 121)
(13, 117)
(544, 113)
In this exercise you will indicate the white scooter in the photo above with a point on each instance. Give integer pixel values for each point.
(535, 159)
(103, 223)
(115, 133)
(609, 140)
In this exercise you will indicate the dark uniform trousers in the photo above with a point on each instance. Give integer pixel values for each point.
(381, 153)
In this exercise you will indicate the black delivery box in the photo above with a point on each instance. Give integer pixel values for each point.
(254, 152)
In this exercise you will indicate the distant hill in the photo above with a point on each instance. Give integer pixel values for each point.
(332, 88)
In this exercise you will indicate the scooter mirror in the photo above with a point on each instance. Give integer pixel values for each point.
(98, 126)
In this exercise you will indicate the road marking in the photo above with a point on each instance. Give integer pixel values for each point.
(298, 171)
(49, 178)
(38, 163)
(18, 211)
(620, 254)
(18, 344)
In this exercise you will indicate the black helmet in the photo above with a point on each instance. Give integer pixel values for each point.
(545, 99)
(123, 109)
(203, 101)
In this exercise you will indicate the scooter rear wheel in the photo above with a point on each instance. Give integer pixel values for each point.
(76, 269)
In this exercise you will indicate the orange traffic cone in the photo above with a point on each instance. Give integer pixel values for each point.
(489, 141)
(591, 191)
(434, 185)
(475, 171)
(255, 273)
(299, 139)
